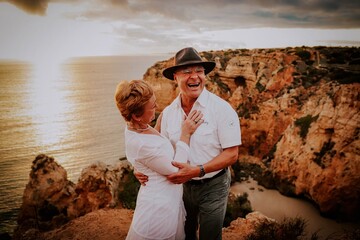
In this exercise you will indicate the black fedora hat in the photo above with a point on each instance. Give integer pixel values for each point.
(185, 57)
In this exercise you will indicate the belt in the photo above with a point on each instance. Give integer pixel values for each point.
(205, 180)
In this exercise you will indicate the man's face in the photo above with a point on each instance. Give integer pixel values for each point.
(191, 80)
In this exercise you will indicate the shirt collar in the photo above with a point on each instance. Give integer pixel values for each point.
(202, 99)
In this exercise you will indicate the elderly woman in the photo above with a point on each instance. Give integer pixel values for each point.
(159, 212)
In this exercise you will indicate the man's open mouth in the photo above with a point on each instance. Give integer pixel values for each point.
(193, 85)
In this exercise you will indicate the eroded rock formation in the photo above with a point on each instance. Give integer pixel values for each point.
(55, 208)
(50, 199)
(299, 113)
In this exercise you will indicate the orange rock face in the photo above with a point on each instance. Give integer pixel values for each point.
(299, 114)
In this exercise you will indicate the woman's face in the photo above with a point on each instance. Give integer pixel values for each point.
(149, 110)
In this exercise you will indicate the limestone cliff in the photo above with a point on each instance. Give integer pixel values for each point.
(299, 114)
(55, 208)
(50, 200)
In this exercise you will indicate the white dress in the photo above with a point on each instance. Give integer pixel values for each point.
(159, 212)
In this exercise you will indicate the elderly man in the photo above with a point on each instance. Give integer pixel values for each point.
(213, 147)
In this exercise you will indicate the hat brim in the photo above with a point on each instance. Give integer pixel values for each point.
(169, 72)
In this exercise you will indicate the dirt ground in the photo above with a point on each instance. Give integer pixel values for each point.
(102, 224)
(107, 224)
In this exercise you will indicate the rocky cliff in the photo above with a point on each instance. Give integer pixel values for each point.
(299, 114)
(55, 208)
(50, 200)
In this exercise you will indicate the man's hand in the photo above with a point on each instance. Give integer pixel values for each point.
(185, 173)
(141, 177)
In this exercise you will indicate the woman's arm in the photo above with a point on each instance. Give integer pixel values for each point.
(159, 162)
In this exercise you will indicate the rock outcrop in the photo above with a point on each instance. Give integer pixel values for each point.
(299, 113)
(51, 200)
(55, 208)
(241, 228)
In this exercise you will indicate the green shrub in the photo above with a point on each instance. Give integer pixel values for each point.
(303, 54)
(260, 87)
(208, 56)
(270, 155)
(288, 229)
(242, 171)
(129, 190)
(246, 109)
(216, 79)
(238, 207)
(304, 124)
(344, 77)
(243, 111)
(326, 149)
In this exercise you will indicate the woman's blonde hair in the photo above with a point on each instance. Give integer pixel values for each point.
(131, 97)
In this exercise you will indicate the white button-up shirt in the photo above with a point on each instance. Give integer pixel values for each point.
(220, 129)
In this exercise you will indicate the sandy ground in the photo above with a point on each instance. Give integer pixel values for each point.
(102, 224)
(106, 224)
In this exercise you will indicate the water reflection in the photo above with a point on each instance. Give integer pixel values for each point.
(48, 105)
(65, 111)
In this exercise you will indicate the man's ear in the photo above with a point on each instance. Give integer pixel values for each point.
(176, 82)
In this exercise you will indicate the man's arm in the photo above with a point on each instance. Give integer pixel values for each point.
(186, 172)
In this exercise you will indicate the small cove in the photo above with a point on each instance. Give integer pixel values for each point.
(274, 205)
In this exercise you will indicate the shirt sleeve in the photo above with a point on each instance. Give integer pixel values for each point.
(157, 160)
(229, 127)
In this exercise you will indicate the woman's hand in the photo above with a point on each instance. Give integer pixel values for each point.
(192, 122)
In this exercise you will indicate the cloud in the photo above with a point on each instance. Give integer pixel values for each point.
(33, 7)
(128, 26)
(220, 14)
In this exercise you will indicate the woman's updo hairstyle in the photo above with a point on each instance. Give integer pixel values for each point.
(131, 97)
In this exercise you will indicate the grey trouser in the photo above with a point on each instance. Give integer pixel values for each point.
(205, 205)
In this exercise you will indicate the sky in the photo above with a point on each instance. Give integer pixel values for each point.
(36, 30)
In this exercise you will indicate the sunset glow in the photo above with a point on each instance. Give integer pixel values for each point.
(62, 29)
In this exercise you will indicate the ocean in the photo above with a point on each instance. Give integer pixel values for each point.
(66, 111)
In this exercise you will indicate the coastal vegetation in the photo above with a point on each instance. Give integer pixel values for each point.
(304, 124)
